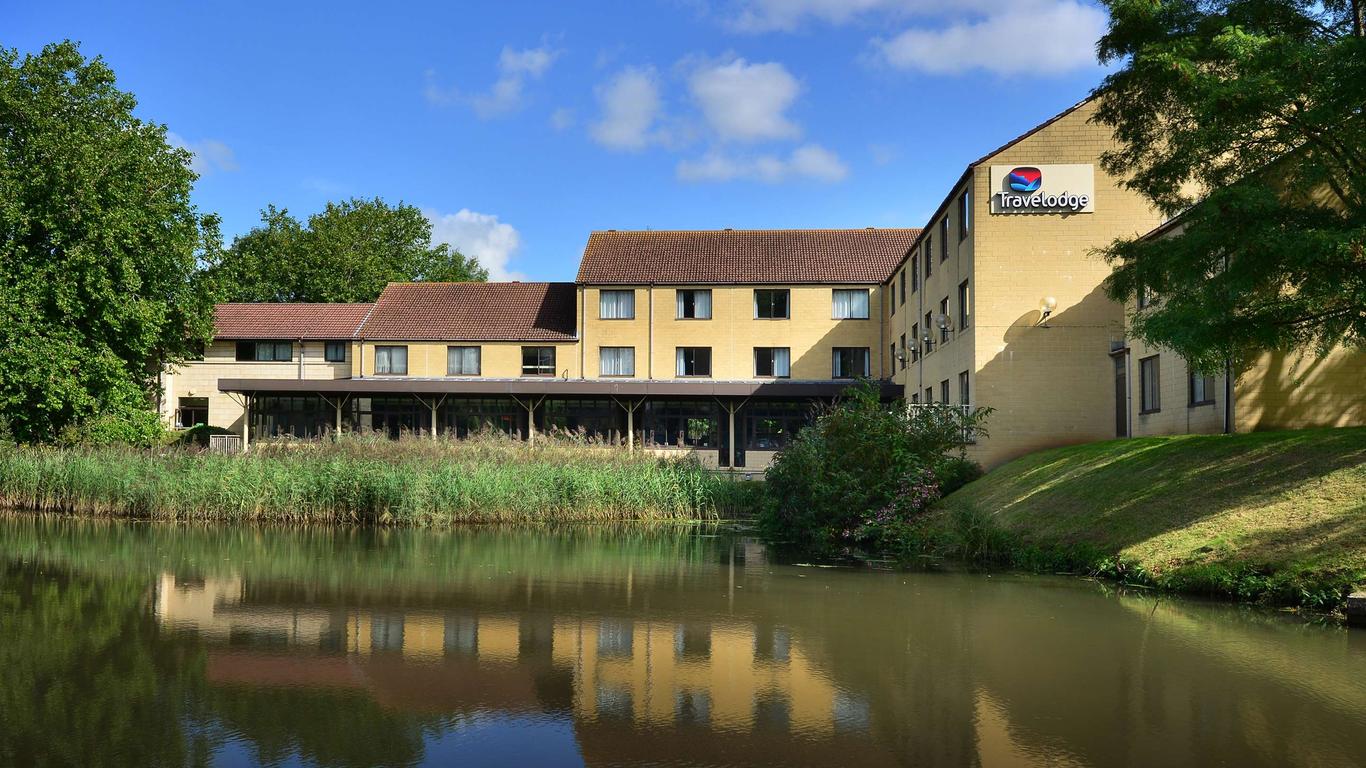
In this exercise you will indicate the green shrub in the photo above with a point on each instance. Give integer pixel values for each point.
(861, 475)
(137, 427)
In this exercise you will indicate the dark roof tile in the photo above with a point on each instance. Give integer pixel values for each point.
(287, 321)
(473, 312)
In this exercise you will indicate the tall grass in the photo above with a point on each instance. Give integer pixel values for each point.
(412, 481)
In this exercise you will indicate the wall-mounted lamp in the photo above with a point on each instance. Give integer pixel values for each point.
(1046, 307)
(943, 322)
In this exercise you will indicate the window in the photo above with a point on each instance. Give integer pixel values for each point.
(335, 351)
(944, 318)
(902, 280)
(1148, 373)
(964, 305)
(769, 426)
(616, 305)
(850, 304)
(849, 362)
(944, 391)
(964, 394)
(915, 273)
(944, 239)
(915, 397)
(680, 423)
(694, 361)
(903, 352)
(915, 342)
(773, 362)
(538, 361)
(391, 361)
(929, 338)
(265, 351)
(1201, 389)
(929, 251)
(616, 361)
(462, 361)
(964, 214)
(929, 395)
(694, 304)
(1144, 298)
(771, 304)
(893, 302)
(192, 411)
(891, 355)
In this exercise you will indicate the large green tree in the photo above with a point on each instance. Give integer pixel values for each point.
(1244, 117)
(347, 252)
(99, 248)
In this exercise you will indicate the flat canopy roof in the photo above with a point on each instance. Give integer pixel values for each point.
(530, 386)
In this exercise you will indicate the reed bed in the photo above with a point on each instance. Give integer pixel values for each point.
(412, 481)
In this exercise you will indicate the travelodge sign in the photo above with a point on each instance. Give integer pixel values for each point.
(1043, 189)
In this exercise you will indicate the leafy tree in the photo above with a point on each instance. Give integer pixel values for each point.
(99, 247)
(348, 252)
(1258, 106)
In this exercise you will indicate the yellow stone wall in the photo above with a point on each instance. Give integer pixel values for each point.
(199, 378)
(498, 360)
(732, 332)
(1048, 385)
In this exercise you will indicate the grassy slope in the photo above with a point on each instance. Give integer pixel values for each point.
(1194, 511)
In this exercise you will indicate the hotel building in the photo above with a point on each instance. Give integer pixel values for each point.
(721, 342)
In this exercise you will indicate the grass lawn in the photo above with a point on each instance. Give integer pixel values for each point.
(1264, 515)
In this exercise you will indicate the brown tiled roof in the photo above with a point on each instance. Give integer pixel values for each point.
(773, 256)
(473, 312)
(287, 321)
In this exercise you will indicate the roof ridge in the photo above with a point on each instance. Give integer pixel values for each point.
(841, 230)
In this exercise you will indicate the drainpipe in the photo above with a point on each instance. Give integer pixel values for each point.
(650, 365)
(1228, 396)
(301, 358)
(583, 331)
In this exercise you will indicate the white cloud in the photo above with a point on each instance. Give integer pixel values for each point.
(480, 235)
(1038, 38)
(809, 161)
(515, 68)
(631, 107)
(789, 15)
(562, 119)
(746, 102)
(208, 155)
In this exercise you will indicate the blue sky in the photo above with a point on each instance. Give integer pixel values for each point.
(519, 127)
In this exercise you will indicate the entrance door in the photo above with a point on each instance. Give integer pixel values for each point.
(1121, 395)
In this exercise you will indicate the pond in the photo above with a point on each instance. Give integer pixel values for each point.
(153, 644)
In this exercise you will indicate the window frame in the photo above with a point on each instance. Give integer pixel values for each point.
(616, 349)
(255, 345)
(944, 239)
(915, 272)
(389, 349)
(964, 305)
(929, 255)
(905, 352)
(835, 353)
(944, 310)
(787, 303)
(617, 293)
(944, 392)
(915, 335)
(678, 303)
(1144, 406)
(182, 407)
(867, 303)
(478, 359)
(1207, 384)
(537, 370)
(965, 388)
(772, 363)
(328, 346)
(964, 214)
(680, 362)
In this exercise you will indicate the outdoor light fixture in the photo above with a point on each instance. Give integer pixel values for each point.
(1046, 307)
(943, 322)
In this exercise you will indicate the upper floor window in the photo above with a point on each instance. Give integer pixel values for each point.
(850, 304)
(964, 394)
(693, 361)
(391, 360)
(964, 214)
(462, 361)
(902, 280)
(538, 361)
(771, 304)
(929, 394)
(929, 330)
(849, 362)
(772, 361)
(265, 351)
(964, 305)
(904, 352)
(1145, 297)
(915, 273)
(915, 342)
(944, 391)
(616, 361)
(892, 303)
(944, 239)
(335, 351)
(694, 304)
(929, 251)
(944, 320)
(617, 305)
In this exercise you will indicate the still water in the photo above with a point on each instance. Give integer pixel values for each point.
(152, 644)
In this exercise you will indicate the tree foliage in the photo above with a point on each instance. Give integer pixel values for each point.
(1253, 109)
(346, 253)
(99, 245)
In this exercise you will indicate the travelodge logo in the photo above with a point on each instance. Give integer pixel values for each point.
(1025, 179)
